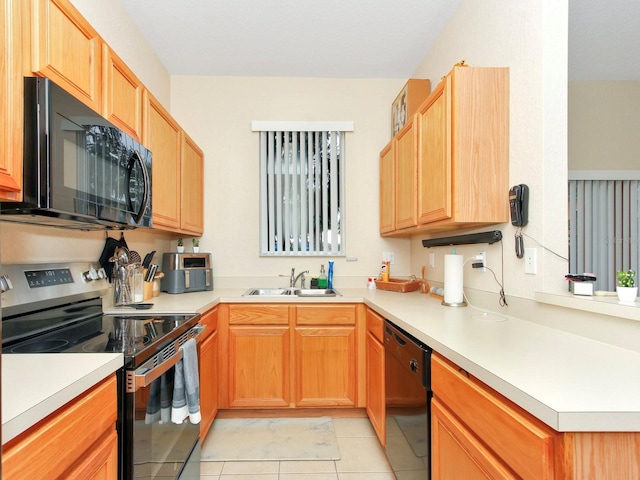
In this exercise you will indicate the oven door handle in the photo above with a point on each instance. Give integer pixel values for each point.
(144, 374)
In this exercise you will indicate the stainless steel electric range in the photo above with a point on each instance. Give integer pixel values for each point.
(57, 308)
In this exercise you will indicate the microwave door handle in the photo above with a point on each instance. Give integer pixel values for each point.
(143, 376)
(147, 185)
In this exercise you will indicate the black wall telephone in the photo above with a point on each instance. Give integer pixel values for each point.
(519, 204)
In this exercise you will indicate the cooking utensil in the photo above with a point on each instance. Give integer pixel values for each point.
(134, 257)
(138, 306)
(147, 259)
(151, 273)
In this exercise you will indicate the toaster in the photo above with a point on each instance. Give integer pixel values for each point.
(186, 272)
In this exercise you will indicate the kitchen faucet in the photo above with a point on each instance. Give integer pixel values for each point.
(295, 278)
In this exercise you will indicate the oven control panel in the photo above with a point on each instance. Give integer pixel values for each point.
(47, 278)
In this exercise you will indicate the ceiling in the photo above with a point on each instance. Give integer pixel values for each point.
(604, 40)
(355, 39)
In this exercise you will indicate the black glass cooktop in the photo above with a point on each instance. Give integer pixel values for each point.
(82, 327)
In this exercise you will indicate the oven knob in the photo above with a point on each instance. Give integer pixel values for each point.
(5, 283)
(90, 275)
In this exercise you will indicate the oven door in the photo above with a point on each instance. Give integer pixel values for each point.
(154, 447)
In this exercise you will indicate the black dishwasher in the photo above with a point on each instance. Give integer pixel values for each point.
(408, 403)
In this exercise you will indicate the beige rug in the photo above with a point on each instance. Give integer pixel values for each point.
(247, 439)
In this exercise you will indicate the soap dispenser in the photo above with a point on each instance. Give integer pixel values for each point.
(322, 279)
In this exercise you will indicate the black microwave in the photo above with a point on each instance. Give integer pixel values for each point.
(79, 170)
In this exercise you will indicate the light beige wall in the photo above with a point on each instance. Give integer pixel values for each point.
(604, 120)
(112, 22)
(217, 112)
(531, 39)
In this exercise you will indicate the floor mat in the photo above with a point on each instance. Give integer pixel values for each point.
(232, 439)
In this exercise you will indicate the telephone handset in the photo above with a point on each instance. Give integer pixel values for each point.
(519, 204)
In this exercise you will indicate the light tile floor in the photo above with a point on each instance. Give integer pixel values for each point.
(361, 458)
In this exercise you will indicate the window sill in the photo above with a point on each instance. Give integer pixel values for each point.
(601, 305)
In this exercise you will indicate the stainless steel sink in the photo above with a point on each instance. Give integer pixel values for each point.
(298, 292)
(317, 292)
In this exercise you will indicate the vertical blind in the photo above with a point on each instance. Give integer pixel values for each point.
(604, 231)
(302, 192)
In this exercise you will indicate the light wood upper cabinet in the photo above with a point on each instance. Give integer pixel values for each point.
(192, 187)
(122, 94)
(162, 136)
(406, 177)
(178, 171)
(11, 94)
(387, 189)
(66, 49)
(461, 145)
(467, 153)
(434, 175)
(77, 441)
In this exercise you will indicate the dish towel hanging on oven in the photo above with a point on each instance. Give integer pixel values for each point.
(186, 386)
(159, 402)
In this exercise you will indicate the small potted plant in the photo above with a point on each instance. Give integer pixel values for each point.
(196, 245)
(627, 291)
(180, 246)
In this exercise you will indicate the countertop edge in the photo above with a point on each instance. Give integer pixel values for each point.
(20, 422)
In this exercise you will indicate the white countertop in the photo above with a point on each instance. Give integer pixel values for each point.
(35, 385)
(569, 382)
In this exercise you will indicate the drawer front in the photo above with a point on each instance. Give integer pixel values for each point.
(259, 315)
(326, 314)
(523, 443)
(375, 324)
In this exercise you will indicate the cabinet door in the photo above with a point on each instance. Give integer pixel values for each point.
(65, 440)
(100, 462)
(325, 359)
(10, 101)
(259, 359)
(434, 153)
(529, 447)
(387, 190)
(162, 136)
(192, 187)
(122, 94)
(406, 177)
(375, 386)
(208, 382)
(457, 454)
(66, 49)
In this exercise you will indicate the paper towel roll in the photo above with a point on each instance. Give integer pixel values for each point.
(453, 276)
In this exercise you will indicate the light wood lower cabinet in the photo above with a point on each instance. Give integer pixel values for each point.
(286, 356)
(325, 356)
(457, 453)
(77, 441)
(477, 433)
(208, 369)
(529, 448)
(376, 374)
